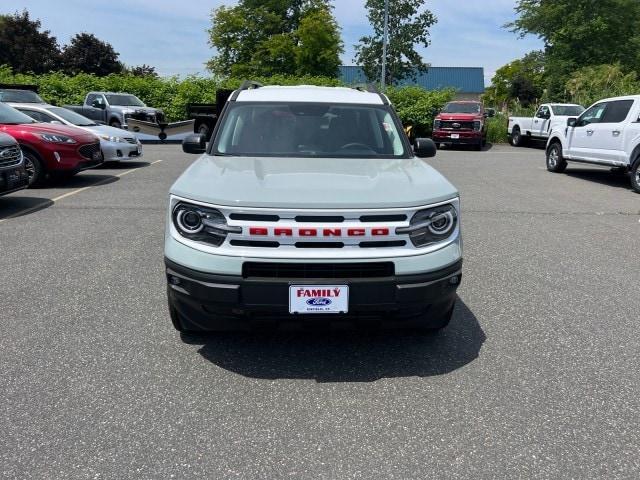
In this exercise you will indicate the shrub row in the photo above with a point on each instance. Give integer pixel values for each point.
(416, 106)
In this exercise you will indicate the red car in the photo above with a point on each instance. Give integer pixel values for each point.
(461, 123)
(50, 149)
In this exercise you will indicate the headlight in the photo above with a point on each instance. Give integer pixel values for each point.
(436, 124)
(477, 125)
(112, 139)
(53, 138)
(431, 226)
(201, 224)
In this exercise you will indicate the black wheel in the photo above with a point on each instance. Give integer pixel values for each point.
(555, 161)
(115, 123)
(516, 139)
(635, 177)
(34, 168)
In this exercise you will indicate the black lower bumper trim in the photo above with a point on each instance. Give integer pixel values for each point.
(204, 300)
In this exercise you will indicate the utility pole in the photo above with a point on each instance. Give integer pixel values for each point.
(385, 41)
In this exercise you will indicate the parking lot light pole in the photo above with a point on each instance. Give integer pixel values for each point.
(385, 40)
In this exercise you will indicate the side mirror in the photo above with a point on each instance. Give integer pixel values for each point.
(194, 144)
(424, 148)
(492, 112)
(572, 122)
(97, 104)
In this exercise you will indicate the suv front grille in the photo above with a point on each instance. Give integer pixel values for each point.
(90, 150)
(318, 270)
(454, 125)
(9, 156)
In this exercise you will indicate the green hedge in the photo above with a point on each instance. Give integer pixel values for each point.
(497, 129)
(416, 106)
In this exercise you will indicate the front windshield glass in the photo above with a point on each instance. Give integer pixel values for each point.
(454, 107)
(124, 100)
(11, 116)
(567, 110)
(20, 96)
(309, 130)
(72, 117)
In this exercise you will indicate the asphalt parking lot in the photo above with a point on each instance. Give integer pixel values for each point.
(537, 376)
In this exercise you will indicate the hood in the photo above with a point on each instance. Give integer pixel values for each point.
(313, 182)
(111, 131)
(76, 133)
(460, 117)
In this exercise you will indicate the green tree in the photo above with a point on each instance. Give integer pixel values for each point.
(257, 38)
(580, 33)
(88, 54)
(409, 26)
(590, 84)
(521, 80)
(319, 44)
(143, 70)
(24, 47)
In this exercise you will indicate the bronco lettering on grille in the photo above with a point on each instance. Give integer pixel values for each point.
(318, 232)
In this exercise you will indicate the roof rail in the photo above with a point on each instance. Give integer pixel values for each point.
(371, 88)
(246, 85)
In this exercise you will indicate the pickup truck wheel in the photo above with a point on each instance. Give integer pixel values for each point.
(115, 123)
(635, 177)
(555, 161)
(35, 171)
(516, 139)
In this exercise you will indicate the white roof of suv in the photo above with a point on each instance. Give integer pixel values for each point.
(308, 93)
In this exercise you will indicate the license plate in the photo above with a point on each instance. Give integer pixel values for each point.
(318, 299)
(455, 135)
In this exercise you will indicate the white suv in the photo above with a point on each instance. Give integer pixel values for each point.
(310, 205)
(606, 134)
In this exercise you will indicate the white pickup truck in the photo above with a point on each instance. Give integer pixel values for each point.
(607, 134)
(539, 126)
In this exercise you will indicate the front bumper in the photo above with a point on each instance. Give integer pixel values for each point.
(115, 152)
(205, 301)
(13, 179)
(463, 137)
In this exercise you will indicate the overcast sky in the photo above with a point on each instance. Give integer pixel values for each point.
(171, 34)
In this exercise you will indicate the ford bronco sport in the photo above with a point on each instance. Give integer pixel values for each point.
(310, 205)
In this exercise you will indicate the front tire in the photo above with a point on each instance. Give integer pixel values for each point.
(34, 168)
(516, 139)
(635, 177)
(555, 161)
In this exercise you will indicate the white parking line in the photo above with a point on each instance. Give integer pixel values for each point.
(73, 192)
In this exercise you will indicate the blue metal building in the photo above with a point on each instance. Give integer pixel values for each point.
(467, 81)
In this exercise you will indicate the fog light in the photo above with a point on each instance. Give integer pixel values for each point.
(454, 280)
(174, 280)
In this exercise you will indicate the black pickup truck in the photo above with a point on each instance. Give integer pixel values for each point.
(205, 115)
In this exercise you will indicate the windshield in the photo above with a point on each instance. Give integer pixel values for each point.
(567, 110)
(454, 107)
(124, 100)
(11, 116)
(72, 117)
(20, 96)
(309, 130)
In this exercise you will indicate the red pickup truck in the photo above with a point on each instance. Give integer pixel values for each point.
(50, 149)
(461, 123)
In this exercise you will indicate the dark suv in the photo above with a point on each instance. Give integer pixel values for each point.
(13, 176)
